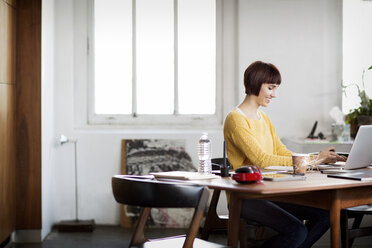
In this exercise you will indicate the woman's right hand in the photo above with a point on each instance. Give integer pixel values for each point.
(329, 156)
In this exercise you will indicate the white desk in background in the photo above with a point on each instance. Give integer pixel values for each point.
(307, 146)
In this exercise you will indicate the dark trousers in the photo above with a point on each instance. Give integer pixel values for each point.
(287, 220)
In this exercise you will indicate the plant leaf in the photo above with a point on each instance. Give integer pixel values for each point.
(369, 68)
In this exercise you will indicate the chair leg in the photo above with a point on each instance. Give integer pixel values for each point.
(260, 232)
(196, 220)
(344, 229)
(213, 221)
(356, 225)
(138, 236)
(243, 239)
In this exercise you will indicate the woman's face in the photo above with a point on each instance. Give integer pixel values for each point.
(267, 92)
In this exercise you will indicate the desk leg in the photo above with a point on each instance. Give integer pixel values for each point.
(234, 218)
(335, 212)
(213, 221)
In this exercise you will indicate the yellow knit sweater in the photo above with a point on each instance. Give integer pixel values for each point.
(253, 142)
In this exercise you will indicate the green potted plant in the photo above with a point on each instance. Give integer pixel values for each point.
(363, 114)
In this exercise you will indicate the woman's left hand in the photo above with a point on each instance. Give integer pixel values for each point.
(330, 156)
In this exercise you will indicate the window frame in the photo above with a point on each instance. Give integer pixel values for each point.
(156, 119)
(228, 89)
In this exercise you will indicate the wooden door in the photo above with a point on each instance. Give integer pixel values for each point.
(7, 114)
(7, 161)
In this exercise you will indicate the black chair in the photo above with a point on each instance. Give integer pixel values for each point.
(218, 162)
(349, 234)
(148, 193)
(215, 222)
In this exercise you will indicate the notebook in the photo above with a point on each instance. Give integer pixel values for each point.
(183, 175)
(360, 155)
(360, 175)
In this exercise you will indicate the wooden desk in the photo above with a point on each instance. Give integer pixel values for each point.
(317, 190)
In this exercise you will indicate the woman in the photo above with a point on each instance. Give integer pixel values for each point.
(251, 140)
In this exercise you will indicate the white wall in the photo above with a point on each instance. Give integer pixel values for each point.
(303, 38)
(48, 124)
(357, 49)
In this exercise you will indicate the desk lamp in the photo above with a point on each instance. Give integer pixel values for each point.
(76, 225)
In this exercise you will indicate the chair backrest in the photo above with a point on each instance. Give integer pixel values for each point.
(149, 193)
(145, 192)
(216, 162)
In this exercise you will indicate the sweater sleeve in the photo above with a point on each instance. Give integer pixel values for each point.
(247, 142)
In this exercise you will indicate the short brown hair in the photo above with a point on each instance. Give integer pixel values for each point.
(259, 73)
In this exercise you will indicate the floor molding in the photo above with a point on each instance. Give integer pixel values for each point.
(27, 236)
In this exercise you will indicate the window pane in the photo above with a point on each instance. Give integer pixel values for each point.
(155, 59)
(197, 56)
(113, 56)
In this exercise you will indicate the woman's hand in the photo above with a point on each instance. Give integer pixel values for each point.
(329, 156)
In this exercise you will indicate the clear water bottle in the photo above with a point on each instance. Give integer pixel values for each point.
(204, 153)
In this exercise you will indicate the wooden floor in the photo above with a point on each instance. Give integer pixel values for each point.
(102, 236)
(115, 237)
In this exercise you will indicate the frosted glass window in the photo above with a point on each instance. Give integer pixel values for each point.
(155, 56)
(197, 56)
(113, 56)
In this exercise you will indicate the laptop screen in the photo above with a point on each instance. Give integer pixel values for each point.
(361, 152)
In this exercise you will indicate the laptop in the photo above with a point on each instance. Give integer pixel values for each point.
(360, 155)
